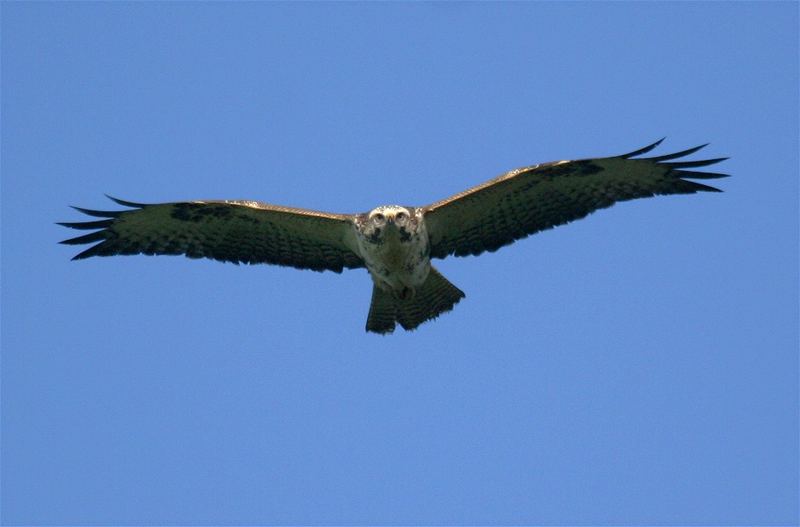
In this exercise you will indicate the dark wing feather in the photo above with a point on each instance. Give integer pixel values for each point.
(531, 199)
(231, 231)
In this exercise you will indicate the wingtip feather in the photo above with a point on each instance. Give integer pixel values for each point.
(698, 163)
(91, 251)
(642, 150)
(676, 155)
(690, 174)
(99, 213)
(126, 203)
(86, 225)
(86, 238)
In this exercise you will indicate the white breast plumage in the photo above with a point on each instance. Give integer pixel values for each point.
(393, 242)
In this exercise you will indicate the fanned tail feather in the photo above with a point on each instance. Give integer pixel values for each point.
(436, 296)
(382, 312)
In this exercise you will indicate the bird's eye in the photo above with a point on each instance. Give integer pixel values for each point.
(400, 216)
(379, 217)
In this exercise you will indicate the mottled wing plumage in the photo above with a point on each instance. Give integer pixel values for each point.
(232, 231)
(531, 199)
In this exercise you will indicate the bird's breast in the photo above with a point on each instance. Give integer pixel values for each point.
(399, 259)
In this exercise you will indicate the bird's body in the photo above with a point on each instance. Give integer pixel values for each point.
(394, 243)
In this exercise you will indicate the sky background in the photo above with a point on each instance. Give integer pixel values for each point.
(638, 366)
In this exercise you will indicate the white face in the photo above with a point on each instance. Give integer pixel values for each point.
(387, 219)
(394, 214)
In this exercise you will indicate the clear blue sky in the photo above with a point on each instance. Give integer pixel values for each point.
(638, 366)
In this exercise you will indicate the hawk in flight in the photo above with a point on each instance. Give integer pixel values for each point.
(394, 243)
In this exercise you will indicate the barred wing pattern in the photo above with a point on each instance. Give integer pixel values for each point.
(232, 231)
(531, 199)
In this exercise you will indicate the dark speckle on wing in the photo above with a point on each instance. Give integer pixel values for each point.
(575, 168)
(197, 212)
(248, 219)
(587, 168)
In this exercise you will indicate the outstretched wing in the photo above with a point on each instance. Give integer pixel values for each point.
(231, 231)
(531, 199)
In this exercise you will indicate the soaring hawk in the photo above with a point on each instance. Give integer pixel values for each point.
(394, 243)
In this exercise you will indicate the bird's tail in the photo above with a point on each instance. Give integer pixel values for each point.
(435, 296)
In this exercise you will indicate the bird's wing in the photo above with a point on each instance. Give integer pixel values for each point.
(531, 199)
(232, 231)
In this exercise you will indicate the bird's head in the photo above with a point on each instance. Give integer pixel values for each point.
(386, 219)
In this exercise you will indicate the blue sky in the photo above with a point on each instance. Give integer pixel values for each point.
(638, 366)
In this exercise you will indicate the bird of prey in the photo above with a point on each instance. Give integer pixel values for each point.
(394, 243)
